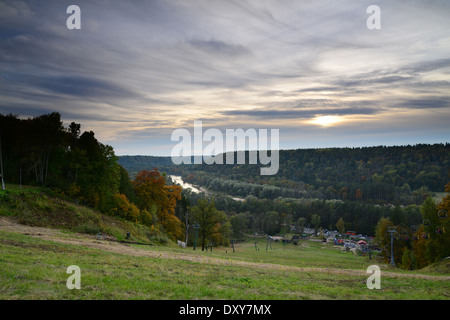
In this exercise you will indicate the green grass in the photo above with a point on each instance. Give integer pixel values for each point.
(306, 254)
(36, 269)
(39, 207)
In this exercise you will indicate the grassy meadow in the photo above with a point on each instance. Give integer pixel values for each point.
(36, 269)
(36, 249)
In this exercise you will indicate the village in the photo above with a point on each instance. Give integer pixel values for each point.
(350, 241)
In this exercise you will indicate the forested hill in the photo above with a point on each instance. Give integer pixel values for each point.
(41, 151)
(382, 174)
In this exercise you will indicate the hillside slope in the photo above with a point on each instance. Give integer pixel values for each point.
(38, 207)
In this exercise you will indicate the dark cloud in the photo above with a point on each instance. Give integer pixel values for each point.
(295, 114)
(82, 87)
(429, 103)
(221, 48)
(426, 66)
(82, 114)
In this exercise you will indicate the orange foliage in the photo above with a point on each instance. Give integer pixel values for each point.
(151, 188)
(445, 203)
(124, 208)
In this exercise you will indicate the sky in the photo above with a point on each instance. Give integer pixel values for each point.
(138, 70)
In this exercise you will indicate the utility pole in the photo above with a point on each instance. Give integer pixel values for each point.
(392, 230)
(1, 160)
(187, 227)
(269, 240)
(196, 226)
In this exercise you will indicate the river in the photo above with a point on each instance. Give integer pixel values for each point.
(184, 185)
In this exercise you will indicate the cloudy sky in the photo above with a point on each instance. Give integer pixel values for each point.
(137, 70)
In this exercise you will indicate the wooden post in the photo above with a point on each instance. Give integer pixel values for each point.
(1, 161)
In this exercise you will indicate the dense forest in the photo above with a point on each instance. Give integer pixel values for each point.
(266, 216)
(382, 175)
(358, 185)
(41, 151)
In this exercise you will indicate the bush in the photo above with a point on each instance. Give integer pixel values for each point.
(408, 260)
(87, 228)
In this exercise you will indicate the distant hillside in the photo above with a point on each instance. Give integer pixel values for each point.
(134, 164)
(404, 174)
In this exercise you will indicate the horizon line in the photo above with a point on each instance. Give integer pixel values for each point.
(294, 149)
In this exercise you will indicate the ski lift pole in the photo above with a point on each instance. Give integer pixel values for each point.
(392, 230)
(187, 227)
(1, 160)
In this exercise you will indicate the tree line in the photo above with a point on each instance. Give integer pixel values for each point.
(267, 216)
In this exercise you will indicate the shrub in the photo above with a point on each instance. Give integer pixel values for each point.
(87, 228)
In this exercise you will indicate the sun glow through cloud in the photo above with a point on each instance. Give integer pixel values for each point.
(326, 121)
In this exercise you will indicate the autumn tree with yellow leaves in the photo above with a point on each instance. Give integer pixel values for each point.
(151, 191)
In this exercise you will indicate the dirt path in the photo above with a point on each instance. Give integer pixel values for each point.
(90, 241)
